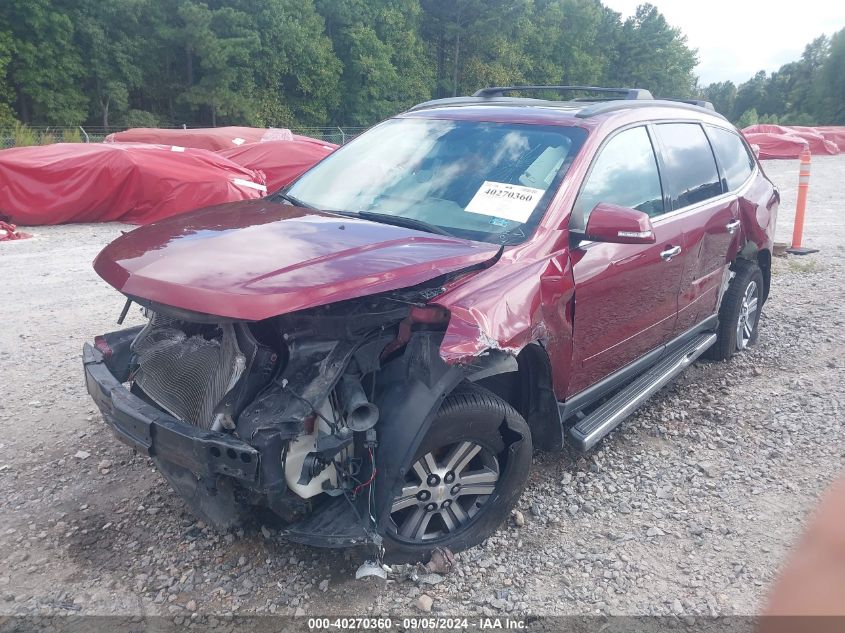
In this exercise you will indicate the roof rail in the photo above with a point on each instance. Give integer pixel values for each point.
(612, 106)
(494, 101)
(701, 103)
(625, 93)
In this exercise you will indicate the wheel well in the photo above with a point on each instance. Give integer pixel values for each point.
(529, 391)
(763, 257)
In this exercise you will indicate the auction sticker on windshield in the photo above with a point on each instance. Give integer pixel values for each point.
(502, 200)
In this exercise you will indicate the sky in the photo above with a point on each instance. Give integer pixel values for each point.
(736, 38)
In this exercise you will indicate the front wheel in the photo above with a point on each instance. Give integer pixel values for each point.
(739, 313)
(464, 479)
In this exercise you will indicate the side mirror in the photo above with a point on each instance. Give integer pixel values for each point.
(619, 225)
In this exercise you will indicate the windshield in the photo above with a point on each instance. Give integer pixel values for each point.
(482, 181)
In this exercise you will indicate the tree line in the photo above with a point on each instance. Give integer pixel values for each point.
(809, 91)
(300, 63)
(311, 62)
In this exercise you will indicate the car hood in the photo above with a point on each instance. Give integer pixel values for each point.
(257, 259)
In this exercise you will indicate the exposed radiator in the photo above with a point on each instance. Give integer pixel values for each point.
(187, 376)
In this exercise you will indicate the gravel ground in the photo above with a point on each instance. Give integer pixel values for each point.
(689, 508)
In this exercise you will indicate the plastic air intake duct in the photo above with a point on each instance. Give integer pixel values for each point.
(360, 413)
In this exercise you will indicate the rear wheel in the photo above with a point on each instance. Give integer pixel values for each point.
(464, 479)
(739, 313)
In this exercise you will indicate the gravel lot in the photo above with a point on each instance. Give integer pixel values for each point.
(689, 508)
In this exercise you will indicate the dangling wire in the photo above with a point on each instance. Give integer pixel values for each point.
(360, 487)
(314, 410)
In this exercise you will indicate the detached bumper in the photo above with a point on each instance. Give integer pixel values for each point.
(157, 434)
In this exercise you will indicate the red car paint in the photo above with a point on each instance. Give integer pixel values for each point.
(254, 261)
(594, 306)
(625, 299)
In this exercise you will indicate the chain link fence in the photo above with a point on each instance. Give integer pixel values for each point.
(26, 135)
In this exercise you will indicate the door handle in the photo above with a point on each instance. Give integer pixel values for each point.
(732, 226)
(669, 253)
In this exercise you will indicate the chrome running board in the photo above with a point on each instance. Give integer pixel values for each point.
(588, 431)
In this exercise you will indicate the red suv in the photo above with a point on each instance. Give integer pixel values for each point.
(373, 352)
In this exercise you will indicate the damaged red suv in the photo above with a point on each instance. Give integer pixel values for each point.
(373, 352)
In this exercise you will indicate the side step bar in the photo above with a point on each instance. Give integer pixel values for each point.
(587, 432)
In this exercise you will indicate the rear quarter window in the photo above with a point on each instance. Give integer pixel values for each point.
(690, 173)
(734, 159)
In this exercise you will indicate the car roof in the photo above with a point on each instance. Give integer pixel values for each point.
(491, 104)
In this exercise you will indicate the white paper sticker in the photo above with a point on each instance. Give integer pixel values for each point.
(176, 148)
(252, 185)
(501, 200)
(238, 141)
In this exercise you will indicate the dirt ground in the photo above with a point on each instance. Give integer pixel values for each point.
(689, 508)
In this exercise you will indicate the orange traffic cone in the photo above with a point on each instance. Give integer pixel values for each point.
(801, 207)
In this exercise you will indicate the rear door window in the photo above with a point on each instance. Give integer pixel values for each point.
(689, 172)
(734, 159)
(625, 173)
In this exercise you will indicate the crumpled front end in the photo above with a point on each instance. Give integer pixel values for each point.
(314, 413)
(279, 413)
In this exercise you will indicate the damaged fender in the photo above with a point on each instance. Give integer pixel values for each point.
(533, 302)
(411, 389)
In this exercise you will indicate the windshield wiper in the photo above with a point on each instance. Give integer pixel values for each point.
(294, 201)
(397, 220)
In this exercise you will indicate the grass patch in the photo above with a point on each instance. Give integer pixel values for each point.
(71, 135)
(803, 266)
(23, 135)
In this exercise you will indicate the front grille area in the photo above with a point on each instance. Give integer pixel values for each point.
(187, 375)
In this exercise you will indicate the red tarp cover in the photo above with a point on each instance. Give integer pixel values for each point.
(9, 233)
(831, 137)
(213, 138)
(780, 141)
(280, 161)
(776, 145)
(73, 182)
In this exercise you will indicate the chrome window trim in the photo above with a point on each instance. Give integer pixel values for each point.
(720, 198)
(676, 212)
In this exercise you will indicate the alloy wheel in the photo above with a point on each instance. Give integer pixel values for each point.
(444, 490)
(747, 316)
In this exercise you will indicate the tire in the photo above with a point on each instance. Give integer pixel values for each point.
(429, 512)
(738, 324)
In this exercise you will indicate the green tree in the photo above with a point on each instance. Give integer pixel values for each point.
(795, 94)
(219, 45)
(749, 117)
(353, 62)
(722, 95)
(7, 115)
(774, 99)
(832, 77)
(570, 43)
(45, 68)
(654, 55)
(109, 36)
(386, 67)
(477, 43)
(806, 92)
(296, 72)
(750, 95)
